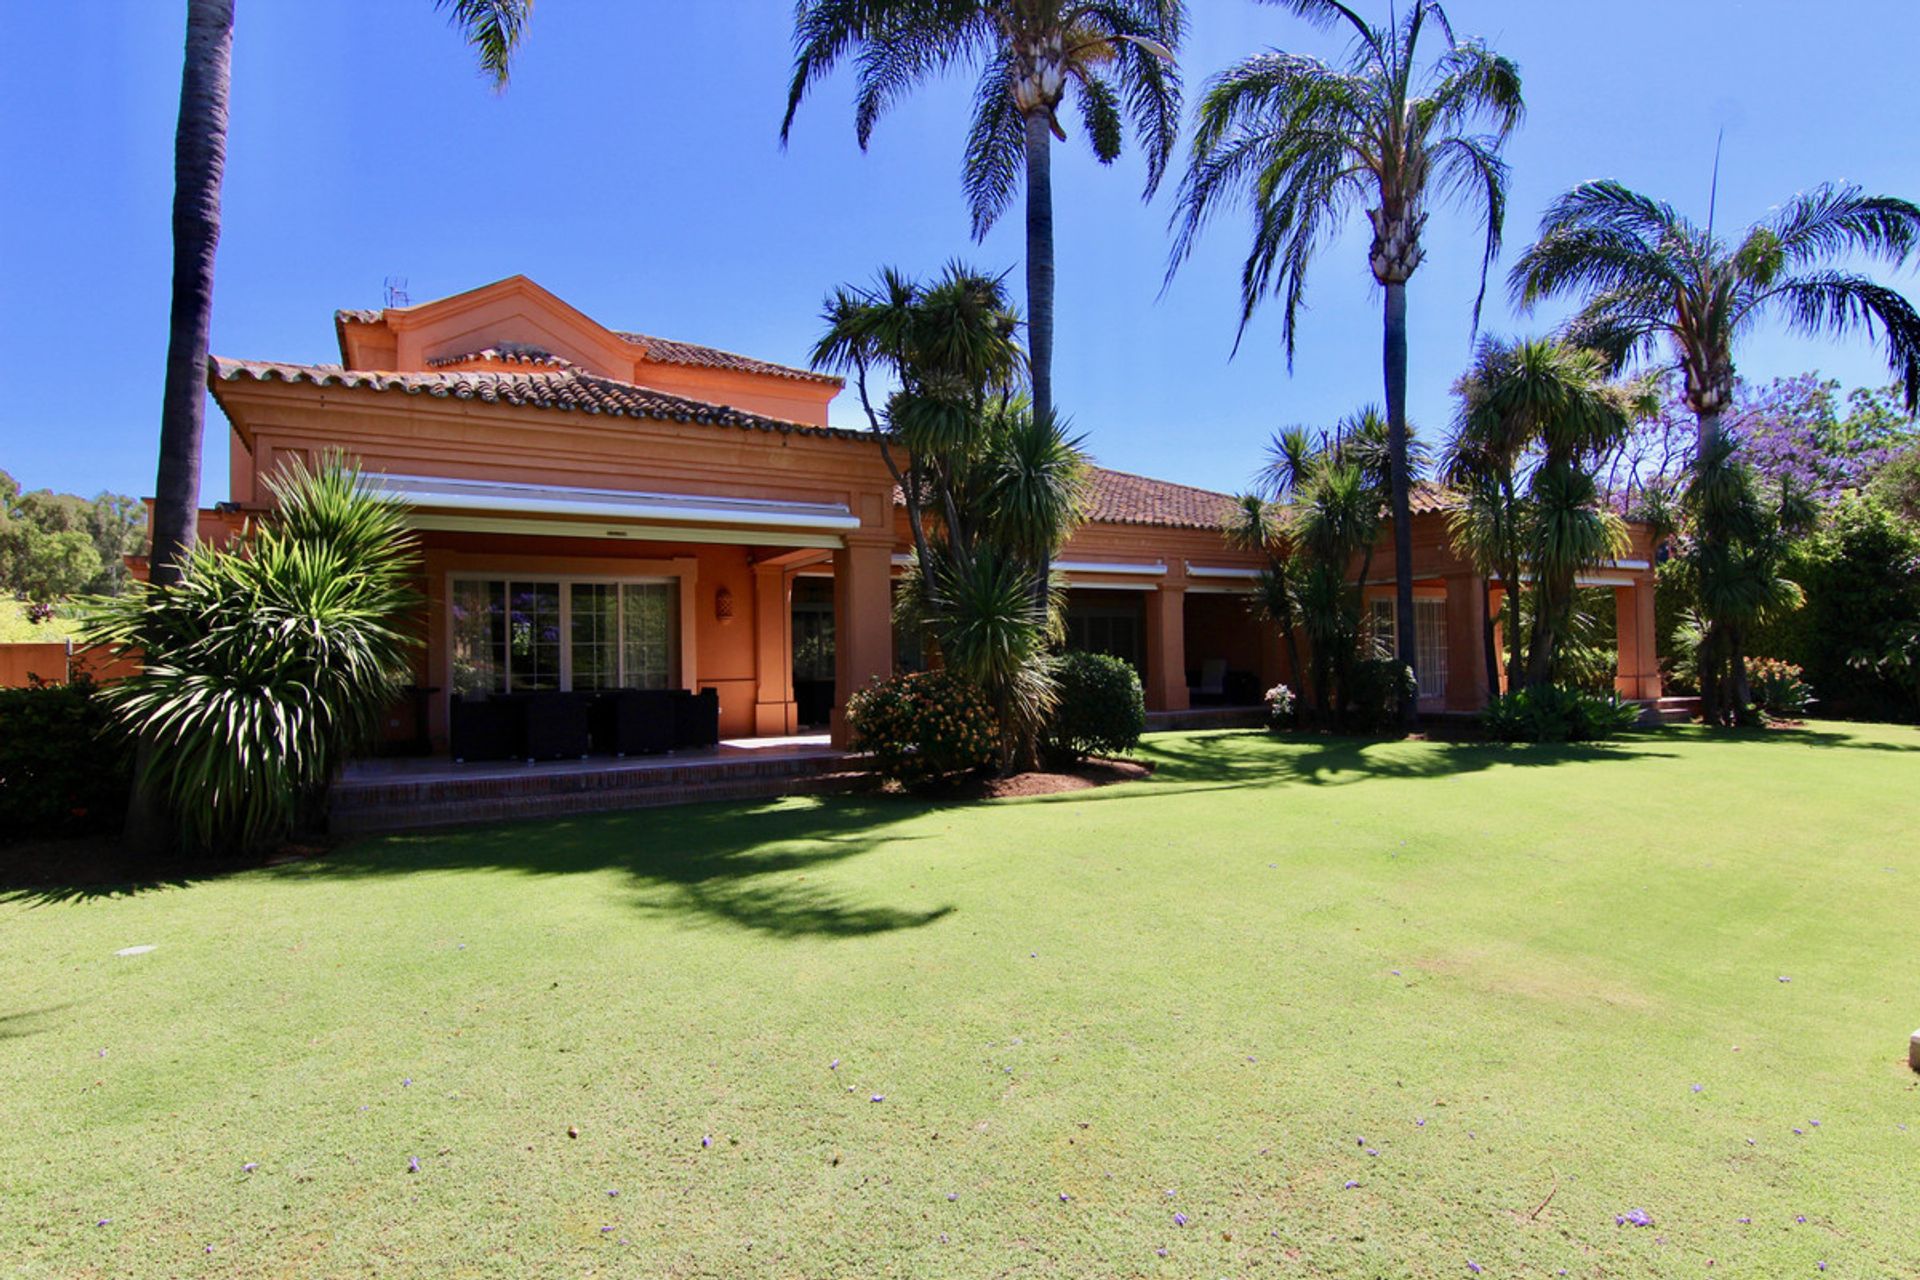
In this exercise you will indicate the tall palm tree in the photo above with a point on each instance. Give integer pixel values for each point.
(1648, 276)
(1304, 143)
(494, 29)
(1117, 56)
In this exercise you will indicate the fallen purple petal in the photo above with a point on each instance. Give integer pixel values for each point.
(1161, 1251)
(706, 1141)
(1473, 1266)
(612, 1192)
(1351, 1184)
(1179, 1219)
(878, 1097)
(249, 1167)
(413, 1164)
(103, 1222)
(834, 1065)
(1697, 1088)
(953, 1195)
(1064, 1197)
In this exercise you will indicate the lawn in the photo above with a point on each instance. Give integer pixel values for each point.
(1316, 1008)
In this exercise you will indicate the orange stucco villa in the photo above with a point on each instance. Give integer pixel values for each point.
(603, 509)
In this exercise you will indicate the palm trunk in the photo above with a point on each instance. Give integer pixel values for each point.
(1546, 632)
(1396, 370)
(1040, 292)
(199, 161)
(1490, 649)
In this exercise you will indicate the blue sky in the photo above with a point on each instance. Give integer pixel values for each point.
(633, 167)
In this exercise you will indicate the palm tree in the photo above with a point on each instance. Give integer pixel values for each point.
(1116, 55)
(494, 29)
(1555, 398)
(1303, 143)
(1647, 275)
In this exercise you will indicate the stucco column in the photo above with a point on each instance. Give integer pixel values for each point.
(862, 619)
(1466, 650)
(1167, 649)
(773, 709)
(1638, 674)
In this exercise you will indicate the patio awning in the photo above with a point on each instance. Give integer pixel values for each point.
(441, 502)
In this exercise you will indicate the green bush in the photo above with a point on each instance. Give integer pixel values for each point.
(1555, 713)
(1862, 580)
(268, 663)
(924, 727)
(1101, 709)
(1375, 690)
(64, 766)
(1778, 688)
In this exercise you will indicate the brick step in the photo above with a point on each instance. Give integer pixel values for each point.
(360, 806)
(1669, 710)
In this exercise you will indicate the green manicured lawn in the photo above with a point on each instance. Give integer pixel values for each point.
(1352, 1009)
(16, 628)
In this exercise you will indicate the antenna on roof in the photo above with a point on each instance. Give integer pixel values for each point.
(397, 296)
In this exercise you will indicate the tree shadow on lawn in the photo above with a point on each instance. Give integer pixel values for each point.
(1256, 758)
(743, 866)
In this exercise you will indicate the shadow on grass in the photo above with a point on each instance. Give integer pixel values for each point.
(18, 1026)
(741, 866)
(1256, 758)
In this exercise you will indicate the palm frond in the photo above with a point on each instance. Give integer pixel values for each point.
(996, 147)
(494, 29)
(1838, 303)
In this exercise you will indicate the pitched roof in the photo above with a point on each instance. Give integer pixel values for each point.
(565, 390)
(505, 353)
(1117, 497)
(670, 351)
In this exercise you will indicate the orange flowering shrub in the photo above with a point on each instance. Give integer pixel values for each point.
(922, 728)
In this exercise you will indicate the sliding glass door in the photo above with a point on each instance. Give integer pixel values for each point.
(527, 636)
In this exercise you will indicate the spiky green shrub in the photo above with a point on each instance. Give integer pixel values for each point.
(1555, 713)
(269, 662)
(924, 728)
(1779, 688)
(1101, 710)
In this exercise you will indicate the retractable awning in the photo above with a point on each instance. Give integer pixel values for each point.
(441, 502)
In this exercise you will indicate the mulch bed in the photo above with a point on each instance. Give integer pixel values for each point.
(1097, 772)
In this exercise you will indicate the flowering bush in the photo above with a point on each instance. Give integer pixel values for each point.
(1778, 688)
(924, 727)
(1101, 709)
(1280, 707)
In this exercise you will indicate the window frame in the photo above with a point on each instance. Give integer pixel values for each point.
(565, 582)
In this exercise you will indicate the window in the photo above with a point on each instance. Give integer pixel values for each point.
(1386, 637)
(522, 637)
(649, 634)
(1430, 642)
(1109, 629)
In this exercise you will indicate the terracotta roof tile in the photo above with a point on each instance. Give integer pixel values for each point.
(505, 353)
(565, 390)
(669, 351)
(1117, 497)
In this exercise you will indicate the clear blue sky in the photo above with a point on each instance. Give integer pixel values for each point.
(633, 167)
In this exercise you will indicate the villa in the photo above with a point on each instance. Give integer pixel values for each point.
(601, 509)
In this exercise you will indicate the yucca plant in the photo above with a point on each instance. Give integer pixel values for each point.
(268, 662)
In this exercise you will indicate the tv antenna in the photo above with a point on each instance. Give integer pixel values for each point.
(396, 292)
